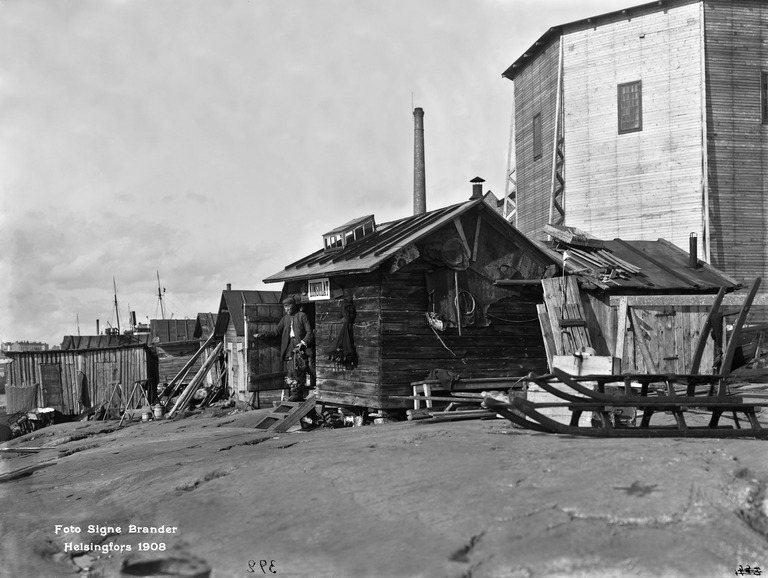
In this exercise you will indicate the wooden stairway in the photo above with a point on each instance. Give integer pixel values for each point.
(286, 415)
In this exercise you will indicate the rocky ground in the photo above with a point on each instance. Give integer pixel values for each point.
(466, 499)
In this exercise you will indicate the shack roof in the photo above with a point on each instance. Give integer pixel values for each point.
(81, 342)
(232, 301)
(606, 17)
(370, 252)
(634, 266)
(206, 324)
(172, 330)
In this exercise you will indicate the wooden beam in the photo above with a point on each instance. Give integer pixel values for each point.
(725, 368)
(546, 332)
(650, 364)
(477, 238)
(705, 331)
(462, 236)
(621, 328)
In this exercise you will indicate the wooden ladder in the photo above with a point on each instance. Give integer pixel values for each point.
(286, 414)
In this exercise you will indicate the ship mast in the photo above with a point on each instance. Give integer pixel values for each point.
(160, 296)
(117, 313)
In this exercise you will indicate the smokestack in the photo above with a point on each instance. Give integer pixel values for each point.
(419, 175)
(477, 188)
(97, 327)
(693, 243)
(229, 286)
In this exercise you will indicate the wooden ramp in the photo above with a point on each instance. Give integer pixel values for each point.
(286, 415)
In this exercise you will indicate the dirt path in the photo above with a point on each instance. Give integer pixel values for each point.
(473, 498)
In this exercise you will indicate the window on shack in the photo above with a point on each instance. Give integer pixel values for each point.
(630, 106)
(764, 95)
(537, 137)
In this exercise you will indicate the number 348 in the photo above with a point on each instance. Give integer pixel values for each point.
(265, 565)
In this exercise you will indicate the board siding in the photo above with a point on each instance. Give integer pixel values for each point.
(735, 55)
(535, 93)
(646, 184)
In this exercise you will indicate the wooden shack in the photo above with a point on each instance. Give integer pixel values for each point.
(237, 309)
(649, 122)
(644, 302)
(424, 293)
(175, 341)
(73, 380)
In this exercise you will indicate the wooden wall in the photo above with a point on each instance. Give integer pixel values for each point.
(535, 93)
(511, 345)
(646, 184)
(665, 337)
(172, 357)
(95, 370)
(736, 52)
(359, 386)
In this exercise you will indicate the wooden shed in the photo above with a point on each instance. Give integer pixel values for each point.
(73, 380)
(649, 122)
(237, 309)
(644, 302)
(175, 341)
(423, 289)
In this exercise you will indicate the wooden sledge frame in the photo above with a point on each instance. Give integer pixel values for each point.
(525, 413)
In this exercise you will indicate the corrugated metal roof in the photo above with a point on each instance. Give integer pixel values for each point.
(369, 252)
(642, 265)
(171, 330)
(71, 342)
(232, 301)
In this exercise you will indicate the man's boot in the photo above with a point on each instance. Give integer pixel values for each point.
(295, 393)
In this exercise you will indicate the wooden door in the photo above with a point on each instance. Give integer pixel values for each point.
(265, 368)
(50, 377)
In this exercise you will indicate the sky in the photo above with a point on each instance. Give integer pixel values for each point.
(215, 142)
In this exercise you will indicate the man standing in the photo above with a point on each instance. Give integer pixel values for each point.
(296, 347)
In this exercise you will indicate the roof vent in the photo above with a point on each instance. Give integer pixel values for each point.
(348, 233)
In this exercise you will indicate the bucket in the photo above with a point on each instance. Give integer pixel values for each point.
(145, 416)
(158, 410)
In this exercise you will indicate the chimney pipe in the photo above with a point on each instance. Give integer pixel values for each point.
(477, 188)
(419, 174)
(693, 250)
(97, 327)
(229, 286)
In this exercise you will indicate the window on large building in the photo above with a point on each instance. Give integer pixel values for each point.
(764, 96)
(537, 137)
(630, 96)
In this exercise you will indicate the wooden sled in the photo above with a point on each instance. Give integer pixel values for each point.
(607, 429)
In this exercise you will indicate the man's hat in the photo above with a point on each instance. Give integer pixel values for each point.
(289, 301)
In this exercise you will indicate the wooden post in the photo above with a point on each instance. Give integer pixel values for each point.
(725, 368)
(621, 329)
(705, 331)
(553, 190)
(458, 309)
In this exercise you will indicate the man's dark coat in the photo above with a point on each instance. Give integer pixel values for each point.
(301, 328)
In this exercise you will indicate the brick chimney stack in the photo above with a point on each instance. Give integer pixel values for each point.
(477, 188)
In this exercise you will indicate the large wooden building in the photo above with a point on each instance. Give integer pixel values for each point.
(650, 123)
(443, 265)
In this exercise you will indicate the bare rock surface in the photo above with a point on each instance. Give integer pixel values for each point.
(466, 499)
